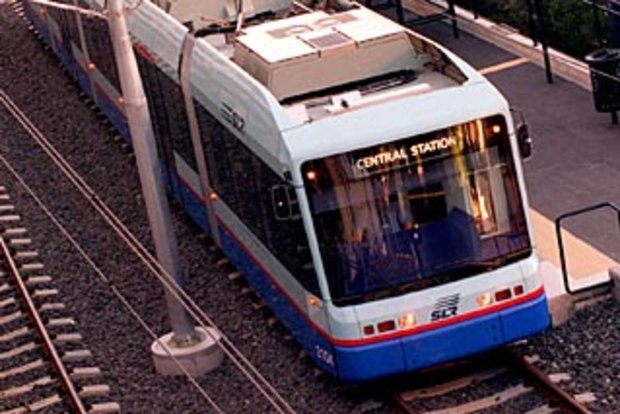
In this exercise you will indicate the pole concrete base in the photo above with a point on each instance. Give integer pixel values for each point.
(197, 359)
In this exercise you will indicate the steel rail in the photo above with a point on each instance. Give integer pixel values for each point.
(506, 361)
(48, 344)
(545, 386)
(268, 390)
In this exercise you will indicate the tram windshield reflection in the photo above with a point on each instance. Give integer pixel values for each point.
(418, 212)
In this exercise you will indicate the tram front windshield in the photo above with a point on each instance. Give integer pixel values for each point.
(418, 212)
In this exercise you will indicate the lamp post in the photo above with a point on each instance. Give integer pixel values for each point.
(196, 349)
(186, 350)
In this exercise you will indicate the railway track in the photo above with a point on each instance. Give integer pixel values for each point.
(44, 367)
(245, 367)
(503, 382)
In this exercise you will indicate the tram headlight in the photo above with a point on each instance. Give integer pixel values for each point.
(406, 321)
(311, 175)
(484, 300)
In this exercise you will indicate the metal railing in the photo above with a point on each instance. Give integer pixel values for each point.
(558, 231)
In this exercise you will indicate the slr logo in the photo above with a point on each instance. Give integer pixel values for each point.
(232, 117)
(446, 307)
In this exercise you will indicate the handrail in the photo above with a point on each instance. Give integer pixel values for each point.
(558, 231)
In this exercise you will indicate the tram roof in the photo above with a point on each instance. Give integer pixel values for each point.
(363, 63)
(393, 120)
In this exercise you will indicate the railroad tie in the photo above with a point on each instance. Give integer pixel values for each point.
(98, 390)
(7, 302)
(77, 355)
(30, 267)
(85, 373)
(9, 336)
(559, 377)
(48, 307)
(12, 317)
(64, 338)
(22, 369)
(487, 402)
(17, 351)
(26, 388)
(44, 293)
(9, 218)
(104, 408)
(25, 255)
(61, 322)
(15, 231)
(45, 403)
(586, 397)
(19, 242)
(35, 280)
(234, 275)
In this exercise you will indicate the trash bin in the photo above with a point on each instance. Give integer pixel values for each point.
(605, 74)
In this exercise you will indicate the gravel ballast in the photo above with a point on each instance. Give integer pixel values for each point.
(36, 82)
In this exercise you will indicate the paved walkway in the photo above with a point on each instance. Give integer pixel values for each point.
(576, 160)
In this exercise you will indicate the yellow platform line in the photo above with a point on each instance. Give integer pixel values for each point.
(503, 66)
(583, 259)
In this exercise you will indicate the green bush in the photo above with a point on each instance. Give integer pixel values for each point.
(572, 26)
(570, 23)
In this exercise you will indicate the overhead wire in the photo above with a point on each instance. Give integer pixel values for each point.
(106, 279)
(244, 365)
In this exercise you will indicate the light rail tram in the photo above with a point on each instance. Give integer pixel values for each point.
(365, 180)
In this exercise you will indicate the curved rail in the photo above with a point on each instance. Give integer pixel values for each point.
(74, 398)
(545, 386)
(457, 379)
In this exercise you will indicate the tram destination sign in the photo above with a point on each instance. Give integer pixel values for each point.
(399, 154)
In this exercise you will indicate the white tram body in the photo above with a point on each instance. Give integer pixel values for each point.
(365, 180)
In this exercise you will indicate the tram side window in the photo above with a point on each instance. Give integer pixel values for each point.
(99, 47)
(244, 182)
(177, 120)
(168, 116)
(68, 24)
(218, 160)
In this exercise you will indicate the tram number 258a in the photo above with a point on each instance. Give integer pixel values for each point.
(324, 355)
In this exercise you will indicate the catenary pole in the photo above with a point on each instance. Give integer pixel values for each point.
(149, 169)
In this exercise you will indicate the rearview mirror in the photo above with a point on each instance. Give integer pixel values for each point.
(524, 140)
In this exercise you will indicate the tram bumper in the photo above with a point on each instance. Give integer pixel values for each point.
(425, 349)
